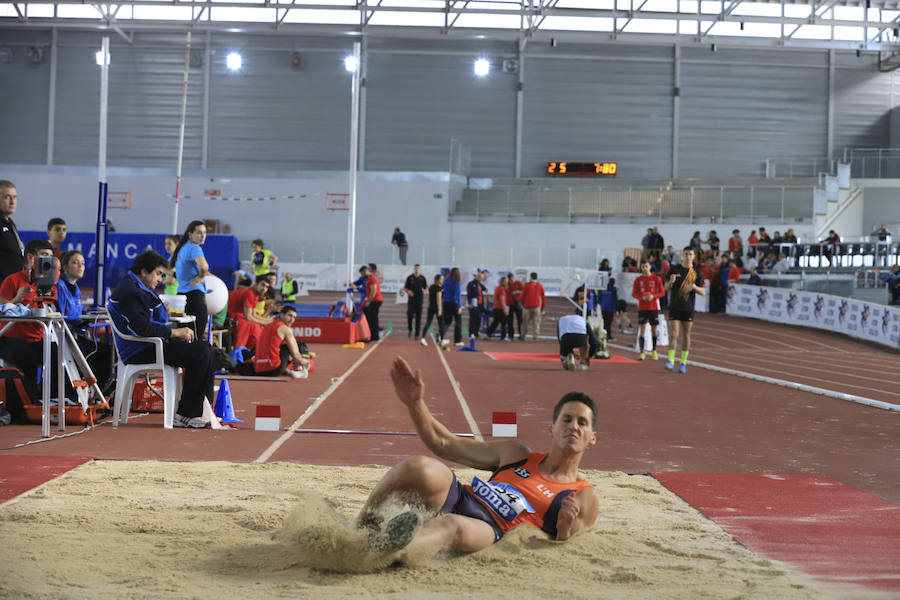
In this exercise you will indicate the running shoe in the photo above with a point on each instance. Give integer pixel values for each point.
(643, 356)
(423, 342)
(570, 362)
(655, 355)
(189, 422)
(298, 373)
(670, 366)
(583, 367)
(682, 368)
(445, 343)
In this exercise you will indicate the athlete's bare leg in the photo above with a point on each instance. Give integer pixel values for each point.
(686, 335)
(426, 479)
(451, 532)
(675, 335)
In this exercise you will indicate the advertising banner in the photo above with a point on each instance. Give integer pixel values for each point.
(865, 320)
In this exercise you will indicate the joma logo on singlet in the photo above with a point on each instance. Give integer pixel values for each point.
(486, 493)
(522, 472)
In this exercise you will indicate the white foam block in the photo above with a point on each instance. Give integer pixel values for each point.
(268, 424)
(504, 430)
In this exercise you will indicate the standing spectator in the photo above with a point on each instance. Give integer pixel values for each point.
(604, 265)
(170, 280)
(671, 256)
(831, 245)
(289, 288)
(765, 238)
(190, 268)
(789, 237)
(752, 240)
(56, 232)
(435, 309)
(882, 233)
(736, 246)
(647, 290)
(608, 300)
(657, 243)
(12, 257)
(534, 302)
(475, 298)
(452, 306)
(137, 310)
(645, 243)
(399, 240)
(696, 244)
(516, 288)
(262, 259)
(713, 241)
(500, 310)
(415, 287)
(685, 284)
(242, 310)
(372, 303)
(277, 348)
(893, 285)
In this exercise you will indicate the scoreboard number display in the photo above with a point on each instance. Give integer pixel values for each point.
(583, 169)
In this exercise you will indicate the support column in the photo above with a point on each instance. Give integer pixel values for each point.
(520, 107)
(51, 110)
(676, 106)
(829, 126)
(207, 71)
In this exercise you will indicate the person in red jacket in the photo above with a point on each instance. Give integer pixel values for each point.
(242, 309)
(648, 289)
(534, 302)
(277, 347)
(501, 307)
(515, 288)
(372, 302)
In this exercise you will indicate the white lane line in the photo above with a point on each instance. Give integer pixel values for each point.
(268, 452)
(759, 363)
(462, 401)
(792, 384)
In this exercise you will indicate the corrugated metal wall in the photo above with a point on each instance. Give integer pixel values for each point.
(738, 107)
(611, 102)
(25, 98)
(418, 100)
(601, 103)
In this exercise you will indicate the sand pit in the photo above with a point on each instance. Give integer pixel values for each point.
(113, 529)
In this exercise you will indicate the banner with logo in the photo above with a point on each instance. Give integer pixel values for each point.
(873, 322)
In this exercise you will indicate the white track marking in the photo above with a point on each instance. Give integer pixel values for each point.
(274, 446)
(760, 363)
(462, 401)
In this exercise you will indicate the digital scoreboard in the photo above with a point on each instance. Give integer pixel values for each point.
(583, 169)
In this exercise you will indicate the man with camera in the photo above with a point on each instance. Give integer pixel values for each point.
(35, 287)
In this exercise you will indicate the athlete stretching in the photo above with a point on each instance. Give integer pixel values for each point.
(685, 282)
(541, 490)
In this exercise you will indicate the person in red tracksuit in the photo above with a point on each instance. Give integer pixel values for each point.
(248, 323)
(648, 289)
(516, 288)
(534, 302)
(500, 309)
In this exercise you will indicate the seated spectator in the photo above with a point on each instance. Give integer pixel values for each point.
(776, 238)
(751, 263)
(22, 345)
(98, 354)
(752, 240)
(604, 265)
(789, 237)
(831, 245)
(242, 309)
(754, 278)
(277, 348)
(893, 285)
(137, 310)
(769, 262)
(784, 263)
(764, 237)
(882, 234)
(56, 232)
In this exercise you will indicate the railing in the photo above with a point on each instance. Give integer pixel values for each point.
(873, 163)
(773, 204)
(799, 166)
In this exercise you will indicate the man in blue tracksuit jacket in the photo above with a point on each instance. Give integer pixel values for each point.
(137, 310)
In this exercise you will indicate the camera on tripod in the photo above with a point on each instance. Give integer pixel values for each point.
(44, 275)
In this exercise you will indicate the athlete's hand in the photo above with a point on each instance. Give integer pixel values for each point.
(672, 279)
(568, 511)
(408, 385)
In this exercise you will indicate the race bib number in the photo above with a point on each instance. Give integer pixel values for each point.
(502, 498)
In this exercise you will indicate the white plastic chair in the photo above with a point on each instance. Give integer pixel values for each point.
(126, 376)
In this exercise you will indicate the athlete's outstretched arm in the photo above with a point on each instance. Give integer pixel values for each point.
(577, 512)
(410, 390)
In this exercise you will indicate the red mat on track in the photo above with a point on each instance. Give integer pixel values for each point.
(20, 473)
(537, 357)
(819, 525)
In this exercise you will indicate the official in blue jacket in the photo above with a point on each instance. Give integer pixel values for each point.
(137, 310)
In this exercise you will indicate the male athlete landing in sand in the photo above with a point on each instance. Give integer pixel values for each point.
(542, 490)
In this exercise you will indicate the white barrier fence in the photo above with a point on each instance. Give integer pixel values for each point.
(865, 320)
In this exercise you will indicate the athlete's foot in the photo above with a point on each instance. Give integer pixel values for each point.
(670, 366)
(397, 534)
(423, 342)
(682, 368)
(642, 356)
(655, 355)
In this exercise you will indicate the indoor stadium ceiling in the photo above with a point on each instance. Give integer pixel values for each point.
(867, 25)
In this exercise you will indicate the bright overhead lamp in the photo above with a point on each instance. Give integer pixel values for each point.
(234, 61)
(482, 67)
(98, 58)
(350, 63)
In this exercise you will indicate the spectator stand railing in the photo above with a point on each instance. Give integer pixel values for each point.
(849, 254)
